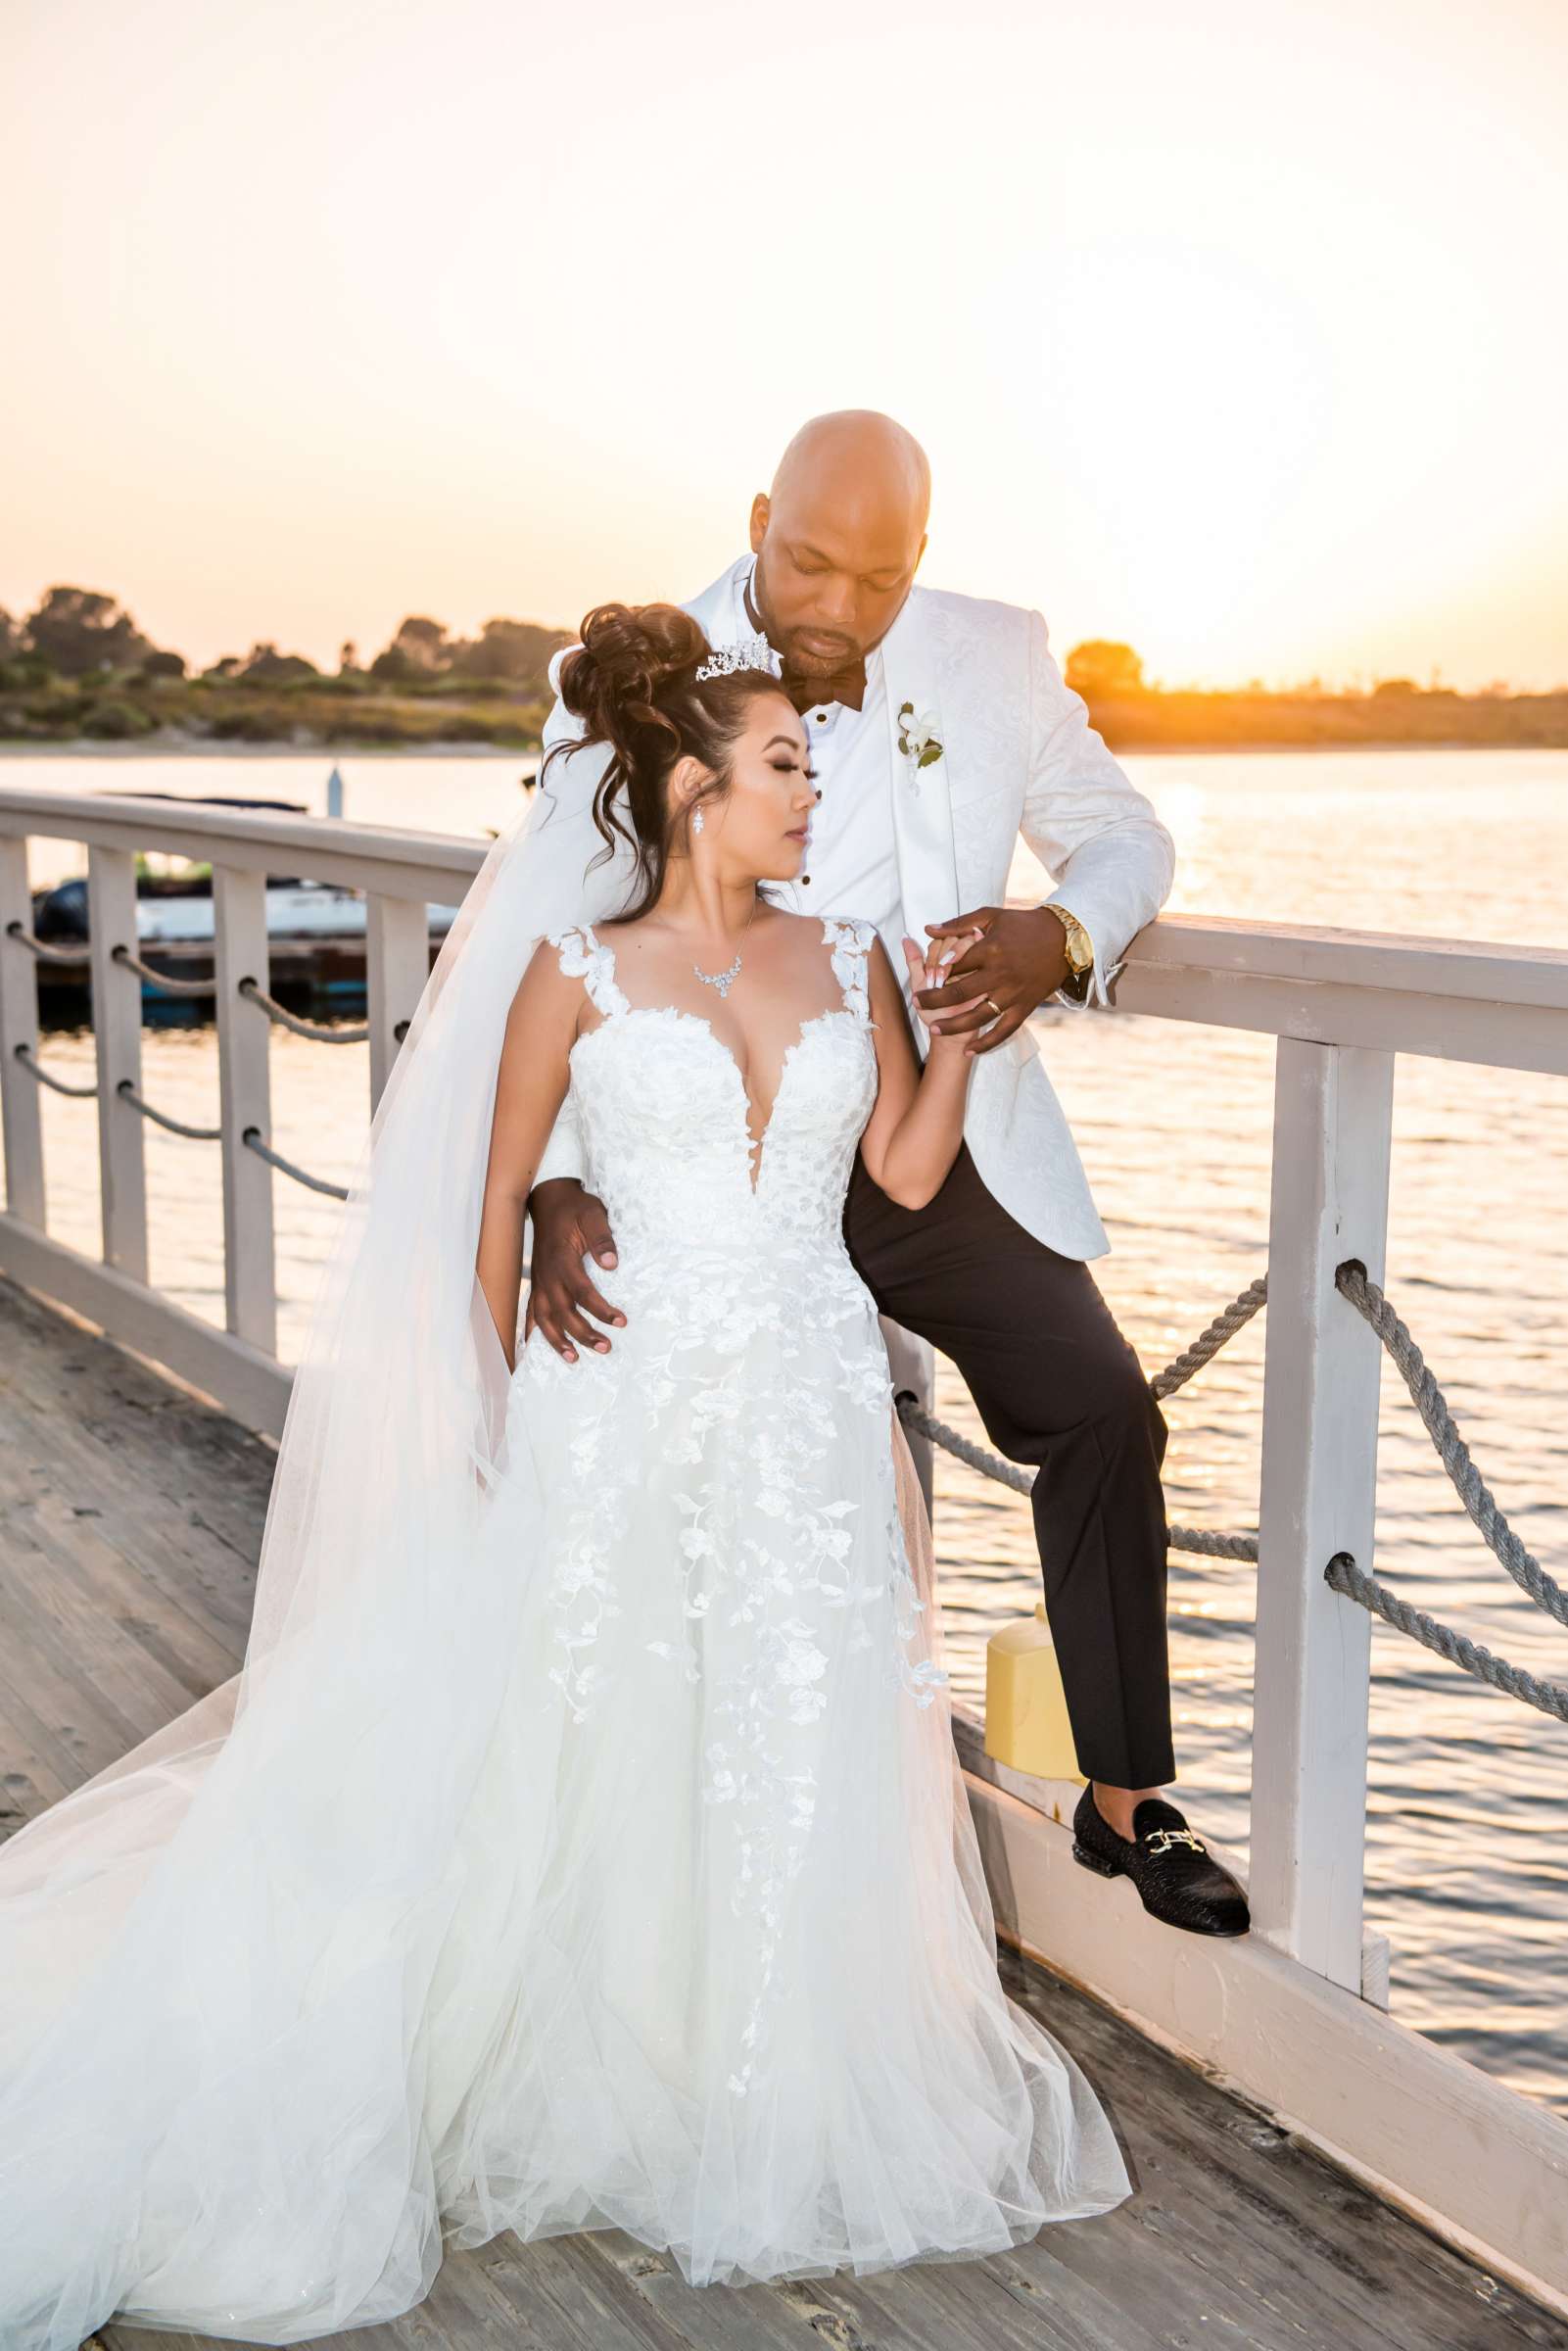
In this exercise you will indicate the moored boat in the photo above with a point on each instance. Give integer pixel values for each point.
(315, 930)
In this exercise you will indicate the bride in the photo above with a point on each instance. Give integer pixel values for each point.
(582, 1844)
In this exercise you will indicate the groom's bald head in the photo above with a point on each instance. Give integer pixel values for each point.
(860, 461)
(838, 536)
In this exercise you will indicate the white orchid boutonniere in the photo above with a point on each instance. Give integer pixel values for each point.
(917, 738)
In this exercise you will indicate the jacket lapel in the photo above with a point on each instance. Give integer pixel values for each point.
(923, 797)
(720, 611)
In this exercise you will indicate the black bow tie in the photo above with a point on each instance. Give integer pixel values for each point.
(846, 686)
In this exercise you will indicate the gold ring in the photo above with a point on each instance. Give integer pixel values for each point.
(995, 1007)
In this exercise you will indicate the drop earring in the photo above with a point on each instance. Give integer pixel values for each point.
(696, 820)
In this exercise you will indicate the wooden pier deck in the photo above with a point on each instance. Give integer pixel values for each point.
(130, 1518)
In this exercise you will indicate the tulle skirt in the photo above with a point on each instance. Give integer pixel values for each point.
(635, 1887)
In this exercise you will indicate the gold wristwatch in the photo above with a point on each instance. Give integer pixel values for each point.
(1080, 947)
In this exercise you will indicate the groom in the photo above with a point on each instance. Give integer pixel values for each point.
(940, 729)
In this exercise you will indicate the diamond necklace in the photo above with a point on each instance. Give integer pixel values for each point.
(724, 980)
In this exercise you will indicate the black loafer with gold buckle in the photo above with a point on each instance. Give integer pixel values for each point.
(1177, 1878)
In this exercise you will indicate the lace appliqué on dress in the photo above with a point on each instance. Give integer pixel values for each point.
(583, 957)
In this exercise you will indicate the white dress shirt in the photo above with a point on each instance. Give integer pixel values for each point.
(850, 866)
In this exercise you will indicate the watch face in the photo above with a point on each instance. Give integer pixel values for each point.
(1076, 954)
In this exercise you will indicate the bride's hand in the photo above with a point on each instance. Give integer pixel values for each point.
(930, 971)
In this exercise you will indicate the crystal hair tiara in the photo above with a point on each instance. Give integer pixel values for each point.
(748, 652)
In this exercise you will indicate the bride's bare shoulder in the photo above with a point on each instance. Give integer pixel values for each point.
(805, 932)
(555, 978)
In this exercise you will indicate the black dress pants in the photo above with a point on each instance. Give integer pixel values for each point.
(1056, 1384)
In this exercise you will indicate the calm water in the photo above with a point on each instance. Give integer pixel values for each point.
(1467, 1868)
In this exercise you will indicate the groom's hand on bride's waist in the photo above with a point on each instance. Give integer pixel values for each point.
(570, 1225)
(1019, 960)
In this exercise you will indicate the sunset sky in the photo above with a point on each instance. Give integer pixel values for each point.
(1237, 330)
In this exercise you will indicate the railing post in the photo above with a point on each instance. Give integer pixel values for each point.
(249, 1284)
(20, 1110)
(1333, 1109)
(117, 1000)
(397, 966)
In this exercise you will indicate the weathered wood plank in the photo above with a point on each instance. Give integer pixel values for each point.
(1062, 2309)
(559, 2287)
(136, 1562)
(83, 1557)
(748, 2318)
(1225, 2187)
(966, 2306)
(86, 1731)
(45, 1598)
(481, 2317)
(30, 1775)
(77, 1418)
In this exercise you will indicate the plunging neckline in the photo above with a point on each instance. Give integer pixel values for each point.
(609, 1000)
(755, 1143)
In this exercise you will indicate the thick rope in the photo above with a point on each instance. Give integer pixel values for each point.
(1342, 1572)
(163, 980)
(1211, 1546)
(1021, 1482)
(36, 1069)
(318, 1031)
(974, 1457)
(1343, 1575)
(1352, 1282)
(41, 948)
(252, 1139)
(1207, 1344)
(1196, 1540)
(126, 1090)
(321, 1034)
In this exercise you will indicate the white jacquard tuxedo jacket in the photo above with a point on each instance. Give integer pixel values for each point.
(1018, 755)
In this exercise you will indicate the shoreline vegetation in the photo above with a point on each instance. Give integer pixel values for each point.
(76, 675)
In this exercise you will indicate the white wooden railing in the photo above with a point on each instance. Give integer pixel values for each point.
(1342, 1005)
(399, 872)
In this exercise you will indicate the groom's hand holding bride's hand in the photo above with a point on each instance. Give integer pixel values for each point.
(927, 972)
(570, 1223)
(1013, 959)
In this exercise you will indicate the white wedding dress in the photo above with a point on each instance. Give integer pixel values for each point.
(709, 1957)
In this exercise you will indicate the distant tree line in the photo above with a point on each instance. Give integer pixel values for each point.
(78, 666)
(82, 632)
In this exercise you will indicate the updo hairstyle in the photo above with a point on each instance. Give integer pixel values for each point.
(632, 683)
